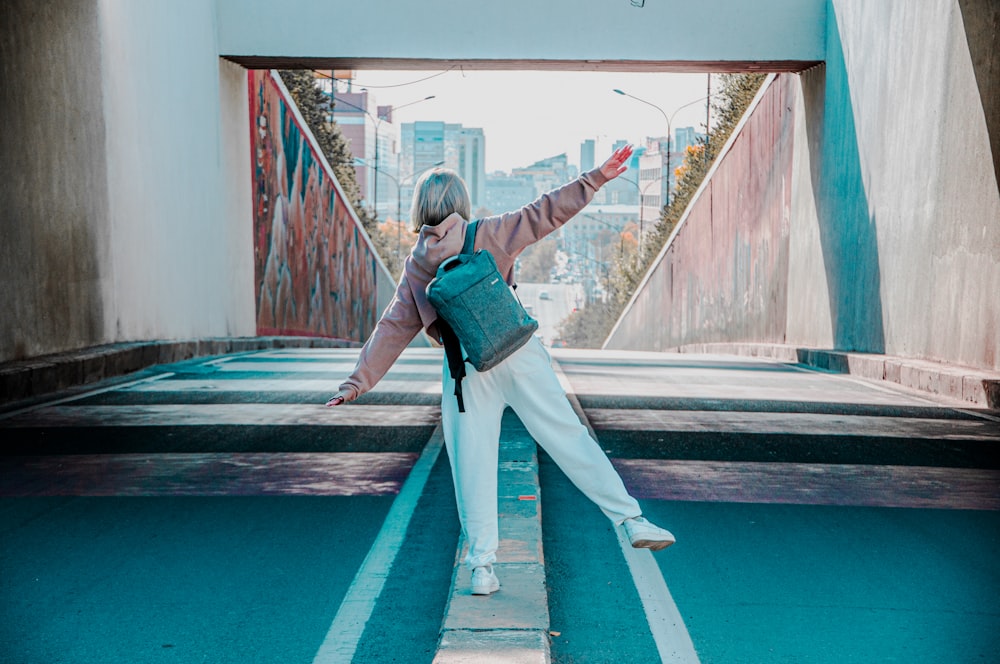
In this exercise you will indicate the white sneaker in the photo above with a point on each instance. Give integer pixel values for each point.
(644, 535)
(484, 581)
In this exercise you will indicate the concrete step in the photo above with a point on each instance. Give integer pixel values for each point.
(512, 624)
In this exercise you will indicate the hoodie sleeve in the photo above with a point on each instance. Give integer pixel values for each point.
(397, 327)
(513, 231)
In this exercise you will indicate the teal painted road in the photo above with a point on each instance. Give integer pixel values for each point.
(805, 583)
(190, 579)
(215, 511)
(819, 518)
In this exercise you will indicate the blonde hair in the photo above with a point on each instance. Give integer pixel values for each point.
(437, 194)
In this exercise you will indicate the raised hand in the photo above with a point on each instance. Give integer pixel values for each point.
(616, 163)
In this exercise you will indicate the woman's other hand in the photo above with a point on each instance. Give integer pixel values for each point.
(335, 400)
(617, 162)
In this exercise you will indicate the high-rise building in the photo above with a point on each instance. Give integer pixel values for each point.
(685, 137)
(587, 155)
(653, 181)
(465, 152)
(623, 190)
(546, 174)
(371, 136)
(425, 144)
(508, 192)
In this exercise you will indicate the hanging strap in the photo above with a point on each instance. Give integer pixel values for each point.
(456, 365)
(470, 237)
(452, 346)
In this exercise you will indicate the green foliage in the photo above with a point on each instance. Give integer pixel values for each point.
(589, 327)
(315, 107)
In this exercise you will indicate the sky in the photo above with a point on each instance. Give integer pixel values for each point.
(527, 116)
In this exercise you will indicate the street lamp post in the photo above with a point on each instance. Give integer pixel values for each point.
(642, 206)
(378, 124)
(669, 119)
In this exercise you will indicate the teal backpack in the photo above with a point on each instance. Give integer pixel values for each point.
(477, 312)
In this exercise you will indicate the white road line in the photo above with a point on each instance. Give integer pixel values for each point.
(291, 365)
(665, 621)
(348, 625)
(673, 642)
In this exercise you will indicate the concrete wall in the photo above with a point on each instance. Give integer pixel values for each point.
(894, 242)
(54, 199)
(723, 275)
(125, 189)
(518, 30)
(900, 206)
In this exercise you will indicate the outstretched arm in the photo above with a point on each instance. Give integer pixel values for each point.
(513, 231)
(394, 331)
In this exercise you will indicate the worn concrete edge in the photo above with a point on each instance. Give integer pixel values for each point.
(967, 384)
(501, 646)
(501, 640)
(45, 374)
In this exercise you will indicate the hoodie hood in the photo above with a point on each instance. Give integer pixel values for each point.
(437, 243)
(434, 245)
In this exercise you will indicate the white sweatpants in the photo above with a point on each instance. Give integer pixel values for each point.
(526, 382)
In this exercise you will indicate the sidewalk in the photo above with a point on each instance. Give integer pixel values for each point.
(973, 386)
(45, 374)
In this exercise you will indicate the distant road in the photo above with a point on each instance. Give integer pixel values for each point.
(551, 312)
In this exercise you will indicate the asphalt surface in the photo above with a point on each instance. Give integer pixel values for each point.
(813, 568)
(213, 510)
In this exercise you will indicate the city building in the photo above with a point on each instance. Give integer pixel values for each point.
(546, 174)
(580, 238)
(371, 136)
(623, 190)
(587, 149)
(425, 144)
(465, 153)
(653, 180)
(685, 137)
(656, 172)
(505, 192)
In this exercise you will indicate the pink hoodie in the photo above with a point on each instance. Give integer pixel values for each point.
(504, 236)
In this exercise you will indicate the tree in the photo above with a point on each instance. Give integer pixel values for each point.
(316, 109)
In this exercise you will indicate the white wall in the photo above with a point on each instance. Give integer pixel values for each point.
(525, 29)
(181, 238)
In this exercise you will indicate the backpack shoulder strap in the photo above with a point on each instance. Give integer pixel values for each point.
(470, 237)
(452, 346)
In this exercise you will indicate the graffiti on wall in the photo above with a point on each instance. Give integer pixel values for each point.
(315, 271)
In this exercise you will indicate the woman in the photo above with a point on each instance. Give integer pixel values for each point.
(525, 381)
